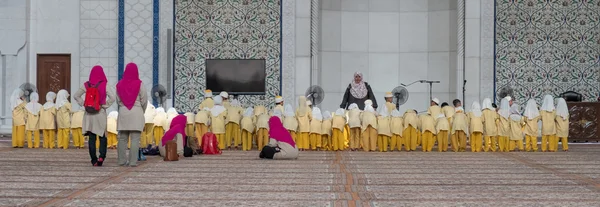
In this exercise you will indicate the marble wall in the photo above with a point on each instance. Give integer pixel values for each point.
(138, 38)
(391, 42)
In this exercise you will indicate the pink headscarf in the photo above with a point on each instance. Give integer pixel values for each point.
(278, 132)
(128, 87)
(177, 127)
(97, 76)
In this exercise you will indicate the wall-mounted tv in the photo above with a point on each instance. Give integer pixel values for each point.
(236, 76)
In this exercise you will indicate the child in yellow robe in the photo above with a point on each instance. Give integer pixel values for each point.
(208, 101)
(316, 129)
(516, 128)
(160, 120)
(548, 117)
(532, 117)
(448, 111)
(290, 122)
(434, 109)
(354, 114)
(562, 124)
(225, 99)
(202, 122)
(32, 127)
(476, 127)
(442, 126)
(48, 121)
(326, 131)
(369, 127)
(397, 127)
(63, 117)
(247, 125)
(304, 115)
(338, 125)
(217, 122)
(189, 128)
(279, 104)
(504, 132)
(111, 128)
(410, 133)
(18, 118)
(427, 123)
(388, 102)
(490, 127)
(171, 114)
(234, 115)
(460, 123)
(384, 132)
(147, 137)
(76, 129)
(262, 127)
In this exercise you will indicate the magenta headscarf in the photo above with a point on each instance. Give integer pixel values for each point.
(278, 132)
(97, 76)
(177, 127)
(128, 87)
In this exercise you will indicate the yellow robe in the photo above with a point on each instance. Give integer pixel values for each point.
(548, 122)
(489, 119)
(562, 131)
(262, 126)
(354, 118)
(397, 128)
(76, 129)
(217, 127)
(207, 103)
(434, 111)
(428, 132)
(326, 130)
(63, 122)
(448, 111)
(32, 128)
(384, 133)
(390, 107)
(338, 126)
(18, 122)
(460, 122)
(442, 126)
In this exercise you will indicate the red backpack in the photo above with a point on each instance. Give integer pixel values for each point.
(210, 145)
(92, 99)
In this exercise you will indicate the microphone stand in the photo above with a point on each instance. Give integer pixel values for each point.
(424, 81)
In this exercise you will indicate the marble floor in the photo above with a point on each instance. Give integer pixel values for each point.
(38, 177)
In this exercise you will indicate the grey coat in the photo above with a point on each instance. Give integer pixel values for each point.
(286, 152)
(133, 120)
(95, 123)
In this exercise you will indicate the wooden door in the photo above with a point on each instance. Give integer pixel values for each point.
(53, 74)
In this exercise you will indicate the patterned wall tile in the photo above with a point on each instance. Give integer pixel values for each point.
(225, 29)
(138, 38)
(548, 47)
(98, 37)
(166, 22)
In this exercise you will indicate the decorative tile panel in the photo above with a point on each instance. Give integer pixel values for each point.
(98, 37)
(225, 29)
(139, 38)
(548, 47)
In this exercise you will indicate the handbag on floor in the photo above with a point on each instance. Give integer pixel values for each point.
(171, 151)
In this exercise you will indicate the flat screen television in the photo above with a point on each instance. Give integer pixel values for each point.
(236, 76)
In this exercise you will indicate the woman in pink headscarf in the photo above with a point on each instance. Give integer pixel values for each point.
(281, 141)
(176, 132)
(94, 124)
(132, 99)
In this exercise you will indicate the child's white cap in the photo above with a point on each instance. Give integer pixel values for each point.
(224, 94)
(436, 100)
(207, 93)
(388, 94)
(278, 99)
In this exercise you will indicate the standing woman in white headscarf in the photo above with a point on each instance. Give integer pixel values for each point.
(548, 116)
(504, 125)
(316, 129)
(357, 92)
(47, 121)
(532, 117)
(369, 127)
(562, 123)
(290, 122)
(63, 118)
(32, 128)
(476, 127)
(18, 118)
(490, 127)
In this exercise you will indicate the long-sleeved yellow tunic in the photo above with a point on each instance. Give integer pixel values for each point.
(202, 117)
(326, 127)
(516, 127)
(63, 116)
(247, 123)
(262, 121)
(368, 119)
(304, 121)
(475, 123)
(217, 123)
(339, 122)
(234, 115)
(490, 118)
(427, 123)
(397, 125)
(207, 103)
(504, 126)
(354, 118)
(442, 124)
(548, 122)
(531, 126)
(47, 118)
(18, 114)
(434, 111)
(77, 119)
(562, 126)
(460, 122)
(383, 126)
(411, 119)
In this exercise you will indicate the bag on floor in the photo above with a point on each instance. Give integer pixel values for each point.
(268, 152)
(192, 142)
(187, 151)
(151, 151)
(171, 151)
(210, 145)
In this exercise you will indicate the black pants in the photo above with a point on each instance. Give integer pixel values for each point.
(92, 146)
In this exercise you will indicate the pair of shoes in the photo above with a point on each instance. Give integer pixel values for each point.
(100, 161)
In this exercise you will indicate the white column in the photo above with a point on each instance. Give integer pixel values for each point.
(460, 62)
(314, 42)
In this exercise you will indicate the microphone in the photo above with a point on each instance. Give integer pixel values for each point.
(402, 84)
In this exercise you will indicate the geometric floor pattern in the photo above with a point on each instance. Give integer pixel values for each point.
(38, 177)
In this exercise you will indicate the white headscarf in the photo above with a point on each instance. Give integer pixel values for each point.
(326, 115)
(358, 90)
(383, 112)
(302, 107)
(288, 111)
(218, 100)
(460, 108)
(113, 114)
(561, 108)
(476, 109)
(504, 110)
(172, 112)
(487, 104)
(15, 98)
(235, 103)
(396, 113)
(149, 113)
(50, 96)
(352, 106)
(249, 112)
(278, 113)
(369, 108)
(160, 110)
(316, 114)
(217, 109)
(340, 112)
(531, 110)
(514, 112)
(61, 98)
(548, 103)
(33, 106)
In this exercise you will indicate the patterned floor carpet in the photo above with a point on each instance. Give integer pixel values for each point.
(65, 178)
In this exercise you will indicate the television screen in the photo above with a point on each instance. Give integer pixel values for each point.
(236, 76)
